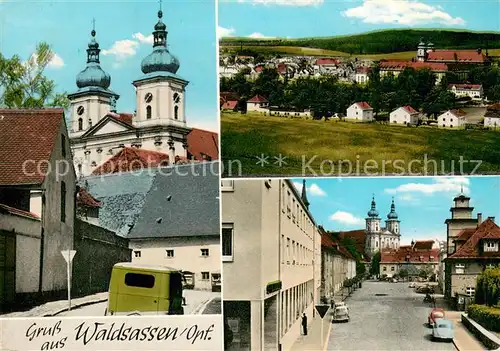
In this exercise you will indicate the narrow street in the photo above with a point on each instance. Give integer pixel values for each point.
(197, 302)
(385, 316)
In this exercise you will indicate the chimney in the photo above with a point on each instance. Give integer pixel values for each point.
(479, 218)
(492, 218)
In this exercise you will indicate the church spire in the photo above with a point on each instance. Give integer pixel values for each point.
(392, 214)
(93, 49)
(304, 194)
(160, 32)
(373, 210)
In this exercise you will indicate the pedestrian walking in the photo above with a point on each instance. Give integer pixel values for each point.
(304, 323)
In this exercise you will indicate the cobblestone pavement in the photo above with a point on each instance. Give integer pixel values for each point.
(385, 316)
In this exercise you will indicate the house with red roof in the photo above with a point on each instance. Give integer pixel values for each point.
(37, 189)
(337, 265)
(474, 91)
(405, 115)
(230, 105)
(492, 116)
(258, 103)
(475, 249)
(362, 75)
(420, 256)
(360, 111)
(455, 118)
(396, 67)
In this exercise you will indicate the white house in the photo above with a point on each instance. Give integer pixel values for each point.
(474, 91)
(258, 104)
(404, 115)
(361, 76)
(360, 111)
(271, 253)
(492, 116)
(452, 118)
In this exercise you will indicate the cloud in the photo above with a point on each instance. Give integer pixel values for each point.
(225, 32)
(143, 38)
(284, 2)
(313, 189)
(55, 62)
(258, 35)
(346, 218)
(402, 12)
(122, 49)
(439, 185)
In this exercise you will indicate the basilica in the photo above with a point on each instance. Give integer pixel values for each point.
(98, 132)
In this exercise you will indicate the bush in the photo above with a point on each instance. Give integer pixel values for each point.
(488, 287)
(488, 317)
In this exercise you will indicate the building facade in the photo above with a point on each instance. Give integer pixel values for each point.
(271, 251)
(474, 91)
(415, 258)
(404, 115)
(378, 237)
(98, 131)
(452, 119)
(360, 111)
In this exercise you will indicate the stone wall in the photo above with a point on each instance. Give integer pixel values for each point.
(97, 251)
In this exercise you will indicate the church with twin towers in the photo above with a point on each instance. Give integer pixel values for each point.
(98, 131)
(378, 237)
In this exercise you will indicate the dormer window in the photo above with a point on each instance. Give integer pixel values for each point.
(490, 246)
(459, 268)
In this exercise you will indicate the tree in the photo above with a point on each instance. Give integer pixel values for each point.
(375, 266)
(24, 84)
(403, 273)
(422, 273)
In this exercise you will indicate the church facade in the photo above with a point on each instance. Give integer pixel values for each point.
(97, 131)
(378, 237)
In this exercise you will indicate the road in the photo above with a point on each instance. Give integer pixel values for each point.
(395, 321)
(197, 302)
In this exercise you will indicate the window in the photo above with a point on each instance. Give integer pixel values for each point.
(283, 198)
(293, 207)
(490, 265)
(63, 145)
(459, 268)
(137, 254)
(80, 123)
(470, 291)
(227, 242)
(204, 252)
(176, 112)
(392, 269)
(148, 112)
(140, 280)
(287, 250)
(205, 275)
(385, 268)
(227, 185)
(63, 202)
(90, 123)
(288, 203)
(169, 253)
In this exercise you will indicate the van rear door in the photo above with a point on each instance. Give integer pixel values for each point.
(138, 291)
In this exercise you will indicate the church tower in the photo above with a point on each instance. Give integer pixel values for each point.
(422, 51)
(93, 99)
(392, 222)
(372, 237)
(160, 95)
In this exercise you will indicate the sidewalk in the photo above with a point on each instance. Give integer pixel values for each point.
(53, 308)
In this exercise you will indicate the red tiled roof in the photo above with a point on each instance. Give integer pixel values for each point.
(328, 242)
(461, 56)
(410, 109)
(470, 249)
(423, 244)
(363, 70)
(364, 105)
(466, 86)
(465, 234)
(123, 117)
(229, 105)
(495, 107)
(83, 198)
(406, 254)
(259, 68)
(17, 212)
(228, 95)
(258, 98)
(401, 65)
(458, 112)
(203, 142)
(27, 135)
(281, 68)
(359, 238)
(130, 159)
(327, 61)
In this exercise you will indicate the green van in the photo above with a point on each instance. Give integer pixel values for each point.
(144, 289)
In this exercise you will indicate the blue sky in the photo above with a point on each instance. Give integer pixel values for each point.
(66, 26)
(308, 18)
(422, 203)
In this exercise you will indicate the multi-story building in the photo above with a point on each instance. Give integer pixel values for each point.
(271, 252)
(414, 258)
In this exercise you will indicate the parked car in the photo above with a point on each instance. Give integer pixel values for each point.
(436, 313)
(443, 330)
(424, 290)
(412, 285)
(394, 280)
(341, 314)
(339, 304)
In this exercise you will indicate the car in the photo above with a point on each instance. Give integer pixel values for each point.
(394, 280)
(338, 304)
(341, 314)
(424, 290)
(412, 285)
(443, 330)
(436, 313)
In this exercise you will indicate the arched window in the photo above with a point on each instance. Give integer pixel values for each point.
(80, 123)
(176, 112)
(90, 123)
(148, 112)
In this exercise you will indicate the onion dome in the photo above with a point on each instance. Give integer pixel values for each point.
(392, 214)
(422, 43)
(373, 211)
(160, 60)
(93, 75)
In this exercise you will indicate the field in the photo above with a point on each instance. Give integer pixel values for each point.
(326, 147)
(301, 51)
